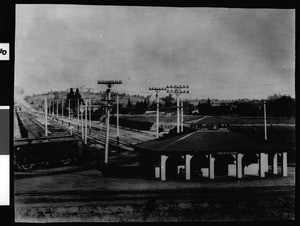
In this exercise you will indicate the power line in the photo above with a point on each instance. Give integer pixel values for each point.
(157, 90)
(177, 90)
(109, 84)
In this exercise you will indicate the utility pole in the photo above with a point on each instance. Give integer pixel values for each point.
(265, 119)
(181, 116)
(109, 84)
(85, 135)
(46, 115)
(118, 135)
(177, 90)
(53, 105)
(62, 111)
(57, 109)
(157, 90)
(78, 113)
(90, 111)
(81, 114)
(69, 113)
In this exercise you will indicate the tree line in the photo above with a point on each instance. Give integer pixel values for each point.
(277, 106)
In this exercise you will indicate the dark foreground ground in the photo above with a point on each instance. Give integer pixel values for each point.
(82, 194)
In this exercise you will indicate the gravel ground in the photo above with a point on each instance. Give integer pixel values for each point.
(81, 193)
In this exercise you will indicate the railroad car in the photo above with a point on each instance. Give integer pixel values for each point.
(31, 153)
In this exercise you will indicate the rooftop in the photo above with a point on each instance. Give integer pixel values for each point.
(210, 141)
(209, 120)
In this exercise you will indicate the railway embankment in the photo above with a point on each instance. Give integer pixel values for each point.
(22, 129)
(17, 130)
(29, 128)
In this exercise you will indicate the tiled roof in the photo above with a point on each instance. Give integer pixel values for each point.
(209, 141)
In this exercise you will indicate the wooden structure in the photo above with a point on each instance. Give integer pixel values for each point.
(211, 153)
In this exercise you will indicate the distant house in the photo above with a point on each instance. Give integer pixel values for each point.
(208, 123)
(210, 153)
(150, 112)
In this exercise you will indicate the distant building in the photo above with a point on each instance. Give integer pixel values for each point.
(208, 123)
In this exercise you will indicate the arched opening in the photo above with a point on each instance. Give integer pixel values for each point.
(199, 166)
(221, 164)
(249, 159)
(250, 164)
(172, 164)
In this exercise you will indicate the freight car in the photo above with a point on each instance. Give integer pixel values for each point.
(45, 151)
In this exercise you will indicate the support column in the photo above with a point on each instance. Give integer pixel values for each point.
(274, 166)
(266, 162)
(188, 167)
(284, 164)
(239, 165)
(163, 159)
(261, 165)
(157, 171)
(211, 166)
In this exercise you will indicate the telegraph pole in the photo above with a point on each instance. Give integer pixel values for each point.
(53, 105)
(69, 113)
(118, 135)
(46, 115)
(78, 112)
(62, 111)
(90, 111)
(57, 109)
(85, 135)
(109, 84)
(265, 119)
(181, 116)
(157, 90)
(177, 90)
(81, 115)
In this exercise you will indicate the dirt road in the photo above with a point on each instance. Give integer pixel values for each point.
(62, 190)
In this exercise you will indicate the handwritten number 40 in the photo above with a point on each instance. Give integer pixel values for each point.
(3, 51)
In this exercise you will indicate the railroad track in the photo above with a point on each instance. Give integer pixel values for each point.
(61, 129)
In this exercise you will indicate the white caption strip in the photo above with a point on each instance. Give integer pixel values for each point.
(4, 180)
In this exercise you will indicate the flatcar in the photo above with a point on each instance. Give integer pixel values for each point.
(31, 153)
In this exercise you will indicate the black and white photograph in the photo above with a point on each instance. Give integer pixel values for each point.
(153, 114)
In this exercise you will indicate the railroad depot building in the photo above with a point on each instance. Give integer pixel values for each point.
(209, 122)
(210, 154)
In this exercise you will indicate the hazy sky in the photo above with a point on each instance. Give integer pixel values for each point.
(220, 53)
